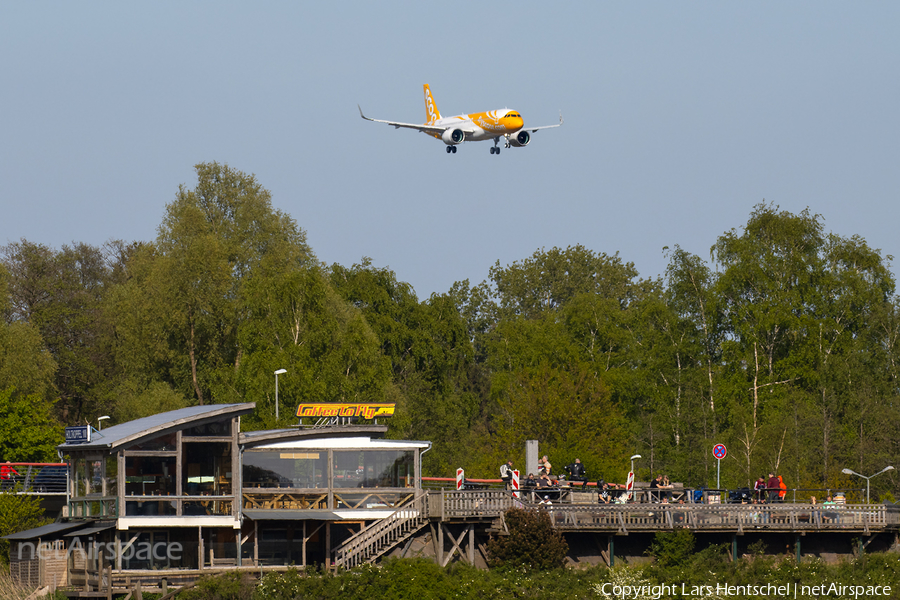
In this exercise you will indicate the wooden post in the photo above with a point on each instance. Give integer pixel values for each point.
(472, 544)
(179, 473)
(200, 547)
(328, 545)
(138, 594)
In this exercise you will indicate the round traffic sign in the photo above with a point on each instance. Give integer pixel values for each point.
(719, 451)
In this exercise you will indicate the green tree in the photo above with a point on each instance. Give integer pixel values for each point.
(18, 512)
(187, 295)
(61, 294)
(28, 430)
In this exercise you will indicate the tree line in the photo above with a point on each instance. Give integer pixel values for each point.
(783, 344)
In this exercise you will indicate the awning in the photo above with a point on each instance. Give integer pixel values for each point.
(44, 531)
(291, 515)
(90, 530)
(318, 515)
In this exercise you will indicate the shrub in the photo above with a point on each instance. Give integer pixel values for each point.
(228, 586)
(532, 542)
(672, 548)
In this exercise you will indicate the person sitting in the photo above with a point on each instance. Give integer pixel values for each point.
(760, 488)
(608, 491)
(577, 473)
(530, 481)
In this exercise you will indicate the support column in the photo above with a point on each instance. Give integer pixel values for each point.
(472, 544)
(734, 555)
(797, 546)
(612, 552)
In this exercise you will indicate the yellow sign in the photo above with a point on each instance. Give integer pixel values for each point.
(329, 409)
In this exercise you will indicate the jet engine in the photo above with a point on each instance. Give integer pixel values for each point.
(453, 137)
(520, 139)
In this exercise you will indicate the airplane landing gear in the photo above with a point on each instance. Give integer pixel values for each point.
(451, 149)
(494, 148)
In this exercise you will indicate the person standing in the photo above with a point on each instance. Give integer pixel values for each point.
(577, 473)
(773, 486)
(7, 471)
(506, 473)
(544, 466)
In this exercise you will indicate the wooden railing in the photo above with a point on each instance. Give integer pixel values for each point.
(644, 516)
(382, 535)
(93, 507)
(476, 503)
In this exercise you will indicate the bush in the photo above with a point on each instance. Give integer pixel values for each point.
(532, 542)
(672, 548)
(228, 586)
(18, 512)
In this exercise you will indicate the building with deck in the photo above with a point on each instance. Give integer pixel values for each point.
(165, 498)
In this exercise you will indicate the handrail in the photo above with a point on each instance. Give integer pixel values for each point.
(349, 552)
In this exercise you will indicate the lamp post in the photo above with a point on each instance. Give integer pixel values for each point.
(100, 422)
(632, 461)
(849, 472)
(277, 373)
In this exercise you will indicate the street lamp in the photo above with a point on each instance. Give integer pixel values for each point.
(277, 373)
(100, 422)
(849, 472)
(632, 461)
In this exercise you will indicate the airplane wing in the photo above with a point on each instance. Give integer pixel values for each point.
(423, 128)
(533, 129)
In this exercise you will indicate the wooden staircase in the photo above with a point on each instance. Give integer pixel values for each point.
(381, 536)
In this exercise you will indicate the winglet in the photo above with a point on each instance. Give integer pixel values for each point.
(362, 115)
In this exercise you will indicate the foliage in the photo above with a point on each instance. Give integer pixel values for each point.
(18, 512)
(28, 430)
(421, 579)
(671, 548)
(532, 542)
(235, 585)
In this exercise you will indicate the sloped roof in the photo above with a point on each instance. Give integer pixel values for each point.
(154, 425)
(44, 531)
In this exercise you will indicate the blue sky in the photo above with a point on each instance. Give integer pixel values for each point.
(679, 118)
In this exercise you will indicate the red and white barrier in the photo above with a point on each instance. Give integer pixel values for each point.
(515, 484)
(460, 478)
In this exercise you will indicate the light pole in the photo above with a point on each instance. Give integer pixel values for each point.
(849, 472)
(277, 373)
(100, 422)
(632, 461)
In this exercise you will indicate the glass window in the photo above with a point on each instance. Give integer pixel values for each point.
(206, 469)
(374, 468)
(285, 469)
(149, 475)
(219, 428)
(112, 475)
(81, 478)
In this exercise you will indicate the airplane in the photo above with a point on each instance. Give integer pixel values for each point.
(475, 127)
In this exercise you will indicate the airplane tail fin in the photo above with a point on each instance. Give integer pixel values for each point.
(432, 114)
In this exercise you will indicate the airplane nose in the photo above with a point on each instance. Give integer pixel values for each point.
(517, 123)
